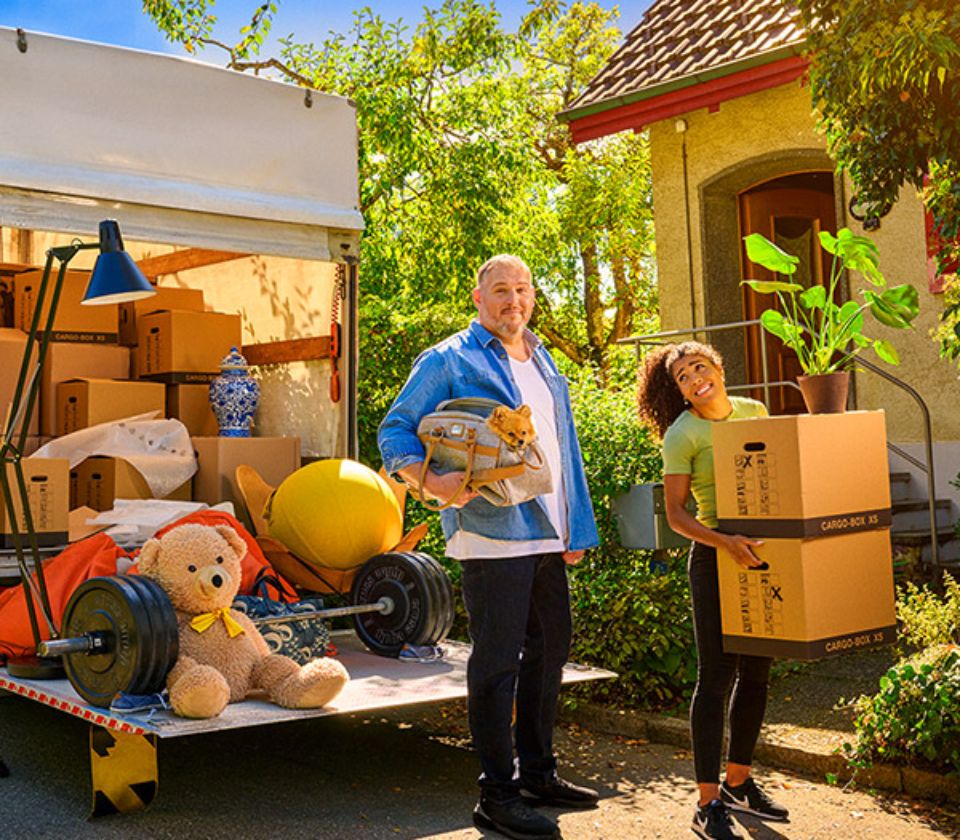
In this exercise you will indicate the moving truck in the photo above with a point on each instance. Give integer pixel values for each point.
(243, 188)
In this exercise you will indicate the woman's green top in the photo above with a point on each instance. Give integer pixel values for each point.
(688, 450)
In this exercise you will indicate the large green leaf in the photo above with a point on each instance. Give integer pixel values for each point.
(850, 320)
(828, 242)
(886, 351)
(763, 252)
(767, 287)
(904, 299)
(883, 312)
(774, 322)
(814, 298)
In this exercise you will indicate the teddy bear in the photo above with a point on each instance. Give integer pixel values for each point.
(222, 654)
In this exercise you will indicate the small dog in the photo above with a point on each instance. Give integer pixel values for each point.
(513, 426)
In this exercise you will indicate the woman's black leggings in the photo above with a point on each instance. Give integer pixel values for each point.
(716, 671)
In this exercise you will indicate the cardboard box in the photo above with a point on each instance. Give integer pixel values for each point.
(33, 443)
(48, 492)
(6, 299)
(180, 346)
(69, 361)
(102, 480)
(190, 404)
(218, 458)
(78, 494)
(12, 344)
(167, 297)
(802, 475)
(815, 598)
(73, 321)
(87, 402)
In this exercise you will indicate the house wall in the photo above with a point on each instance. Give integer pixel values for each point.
(278, 299)
(747, 141)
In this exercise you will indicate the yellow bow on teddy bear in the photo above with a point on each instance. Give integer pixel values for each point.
(205, 621)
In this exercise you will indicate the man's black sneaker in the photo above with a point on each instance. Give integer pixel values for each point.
(713, 821)
(560, 793)
(514, 819)
(749, 798)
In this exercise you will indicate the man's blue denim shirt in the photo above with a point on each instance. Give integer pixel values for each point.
(474, 363)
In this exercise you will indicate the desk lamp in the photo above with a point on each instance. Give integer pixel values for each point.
(115, 279)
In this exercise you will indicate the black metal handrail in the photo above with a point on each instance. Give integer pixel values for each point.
(766, 385)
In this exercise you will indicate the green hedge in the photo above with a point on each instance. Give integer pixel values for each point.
(914, 718)
(627, 618)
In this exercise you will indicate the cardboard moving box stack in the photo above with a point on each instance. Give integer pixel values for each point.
(48, 492)
(218, 458)
(73, 321)
(88, 402)
(12, 344)
(815, 488)
(182, 346)
(101, 480)
(167, 297)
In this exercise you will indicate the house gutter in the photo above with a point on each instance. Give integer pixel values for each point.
(673, 97)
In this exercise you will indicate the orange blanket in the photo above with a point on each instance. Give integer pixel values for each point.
(97, 556)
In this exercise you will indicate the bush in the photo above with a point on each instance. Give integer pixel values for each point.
(637, 624)
(928, 619)
(915, 717)
(627, 618)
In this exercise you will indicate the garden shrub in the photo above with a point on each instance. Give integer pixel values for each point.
(915, 716)
(928, 619)
(627, 617)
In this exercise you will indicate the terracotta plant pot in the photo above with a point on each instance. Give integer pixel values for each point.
(825, 393)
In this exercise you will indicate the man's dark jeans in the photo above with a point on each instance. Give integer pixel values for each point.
(520, 626)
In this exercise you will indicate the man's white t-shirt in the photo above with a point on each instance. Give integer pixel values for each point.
(464, 545)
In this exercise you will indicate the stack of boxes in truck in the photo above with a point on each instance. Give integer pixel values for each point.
(106, 363)
(815, 489)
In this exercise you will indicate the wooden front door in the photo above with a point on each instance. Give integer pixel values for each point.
(790, 211)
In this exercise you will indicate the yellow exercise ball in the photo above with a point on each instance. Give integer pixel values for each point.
(335, 514)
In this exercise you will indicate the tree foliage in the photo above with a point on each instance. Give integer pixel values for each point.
(885, 76)
(462, 156)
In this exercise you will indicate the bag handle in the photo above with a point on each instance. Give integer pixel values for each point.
(528, 463)
(436, 436)
(495, 474)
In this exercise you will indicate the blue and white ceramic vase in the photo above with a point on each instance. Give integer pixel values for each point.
(234, 396)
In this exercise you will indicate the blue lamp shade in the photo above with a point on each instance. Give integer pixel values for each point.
(116, 277)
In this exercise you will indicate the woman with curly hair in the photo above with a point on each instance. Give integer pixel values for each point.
(682, 393)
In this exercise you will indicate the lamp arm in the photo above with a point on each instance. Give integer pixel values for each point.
(18, 416)
(24, 398)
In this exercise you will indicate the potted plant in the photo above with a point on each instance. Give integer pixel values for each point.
(827, 336)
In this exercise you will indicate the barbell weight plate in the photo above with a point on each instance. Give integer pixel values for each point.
(164, 632)
(110, 606)
(435, 618)
(447, 600)
(149, 659)
(393, 576)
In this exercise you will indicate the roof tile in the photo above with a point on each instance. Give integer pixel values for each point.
(677, 38)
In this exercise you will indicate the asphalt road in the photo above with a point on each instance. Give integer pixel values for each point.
(409, 774)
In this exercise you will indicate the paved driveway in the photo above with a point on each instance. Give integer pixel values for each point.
(405, 774)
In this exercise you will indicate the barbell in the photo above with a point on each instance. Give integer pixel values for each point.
(119, 633)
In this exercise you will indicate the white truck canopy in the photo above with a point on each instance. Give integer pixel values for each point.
(179, 151)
